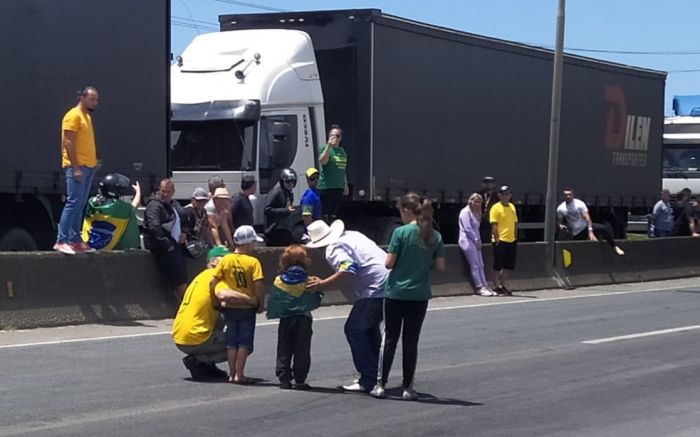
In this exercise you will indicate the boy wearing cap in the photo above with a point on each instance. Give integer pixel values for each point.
(198, 326)
(503, 219)
(237, 286)
(310, 200)
(219, 219)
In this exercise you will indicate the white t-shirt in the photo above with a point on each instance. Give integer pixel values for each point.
(573, 214)
(359, 256)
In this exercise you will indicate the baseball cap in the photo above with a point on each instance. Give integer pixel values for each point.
(487, 179)
(221, 193)
(311, 171)
(200, 194)
(504, 189)
(215, 252)
(245, 234)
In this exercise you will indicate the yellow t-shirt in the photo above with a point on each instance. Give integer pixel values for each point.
(196, 318)
(238, 272)
(81, 124)
(506, 218)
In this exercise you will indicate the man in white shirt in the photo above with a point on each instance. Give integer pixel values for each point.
(359, 268)
(572, 216)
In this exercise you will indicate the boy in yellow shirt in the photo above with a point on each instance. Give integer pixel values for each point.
(503, 219)
(240, 293)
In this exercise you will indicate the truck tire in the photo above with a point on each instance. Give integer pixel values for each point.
(16, 240)
(383, 228)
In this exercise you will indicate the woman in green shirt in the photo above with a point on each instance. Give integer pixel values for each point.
(415, 248)
(333, 180)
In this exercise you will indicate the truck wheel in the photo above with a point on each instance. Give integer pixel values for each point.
(16, 240)
(384, 227)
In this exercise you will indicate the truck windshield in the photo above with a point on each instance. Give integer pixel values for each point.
(681, 159)
(227, 145)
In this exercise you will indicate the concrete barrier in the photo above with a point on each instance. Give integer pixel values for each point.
(51, 289)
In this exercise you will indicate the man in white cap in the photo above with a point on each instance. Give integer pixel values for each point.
(359, 265)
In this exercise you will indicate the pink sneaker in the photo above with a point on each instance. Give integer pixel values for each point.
(82, 247)
(64, 248)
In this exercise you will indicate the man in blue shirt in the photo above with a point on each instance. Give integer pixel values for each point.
(310, 200)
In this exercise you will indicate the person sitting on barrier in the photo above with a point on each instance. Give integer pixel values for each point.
(289, 301)
(198, 328)
(195, 224)
(470, 242)
(661, 217)
(163, 236)
(280, 214)
(110, 223)
(504, 222)
(220, 219)
(359, 268)
(573, 217)
(237, 287)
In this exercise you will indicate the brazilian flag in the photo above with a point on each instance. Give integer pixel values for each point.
(110, 224)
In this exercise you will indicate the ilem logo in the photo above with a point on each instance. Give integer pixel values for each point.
(626, 134)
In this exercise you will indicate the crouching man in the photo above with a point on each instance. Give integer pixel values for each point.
(198, 326)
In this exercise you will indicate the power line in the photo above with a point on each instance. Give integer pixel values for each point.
(696, 70)
(192, 19)
(626, 52)
(253, 5)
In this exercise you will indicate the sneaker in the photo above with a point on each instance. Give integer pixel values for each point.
(213, 372)
(82, 247)
(506, 291)
(302, 386)
(483, 291)
(619, 251)
(285, 385)
(64, 248)
(355, 387)
(409, 394)
(378, 392)
(195, 368)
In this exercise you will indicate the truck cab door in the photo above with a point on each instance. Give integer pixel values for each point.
(285, 141)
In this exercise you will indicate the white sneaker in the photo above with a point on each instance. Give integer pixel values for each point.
(483, 291)
(619, 251)
(378, 392)
(409, 394)
(355, 387)
(64, 248)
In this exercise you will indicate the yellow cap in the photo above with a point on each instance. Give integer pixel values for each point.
(311, 171)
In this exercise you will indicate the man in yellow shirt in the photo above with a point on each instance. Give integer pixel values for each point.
(198, 328)
(503, 219)
(78, 160)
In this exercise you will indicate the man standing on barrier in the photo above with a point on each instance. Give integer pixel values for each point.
(503, 219)
(572, 215)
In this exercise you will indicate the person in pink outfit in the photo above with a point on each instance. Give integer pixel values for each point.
(470, 243)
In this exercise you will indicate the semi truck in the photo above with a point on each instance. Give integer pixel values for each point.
(423, 108)
(50, 50)
(681, 163)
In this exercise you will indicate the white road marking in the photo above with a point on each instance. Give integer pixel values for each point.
(641, 335)
(477, 305)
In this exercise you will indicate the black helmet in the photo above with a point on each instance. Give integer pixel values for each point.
(288, 174)
(114, 185)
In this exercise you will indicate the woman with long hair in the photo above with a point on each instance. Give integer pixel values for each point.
(414, 249)
(470, 243)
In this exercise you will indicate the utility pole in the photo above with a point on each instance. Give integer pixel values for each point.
(550, 220)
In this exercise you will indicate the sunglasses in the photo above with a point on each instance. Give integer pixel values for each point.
(313, 178)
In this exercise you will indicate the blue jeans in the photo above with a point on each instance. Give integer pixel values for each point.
(364, 336)
(70, 226)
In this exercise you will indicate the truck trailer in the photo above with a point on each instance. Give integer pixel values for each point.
(51, 49)
(423, 108)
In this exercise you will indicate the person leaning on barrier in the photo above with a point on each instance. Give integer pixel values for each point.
(241, 206)
(310, 202)
(220, 219)
(572, 216)
(686, 224)
(163, 236)
(110, 223)
(198, 328)
(195, 224)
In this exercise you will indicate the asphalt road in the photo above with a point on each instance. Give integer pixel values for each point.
(603, 361)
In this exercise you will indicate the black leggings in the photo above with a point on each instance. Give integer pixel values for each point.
(601, 232)
(411, 314)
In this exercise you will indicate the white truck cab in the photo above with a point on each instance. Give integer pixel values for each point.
(245, 102)
(681, 163)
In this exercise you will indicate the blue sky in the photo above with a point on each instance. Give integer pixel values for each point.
(662, 27)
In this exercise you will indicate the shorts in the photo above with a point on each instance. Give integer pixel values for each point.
(172, 265)
(504, 256)
(240, 328)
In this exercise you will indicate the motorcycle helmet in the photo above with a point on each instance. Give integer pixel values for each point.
(114, 185)
(288, 175)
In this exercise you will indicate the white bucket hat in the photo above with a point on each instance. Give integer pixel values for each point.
(321, 235)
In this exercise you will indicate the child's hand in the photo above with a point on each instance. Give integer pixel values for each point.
(313, 283)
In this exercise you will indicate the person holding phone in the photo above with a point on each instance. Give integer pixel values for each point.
(333, 180)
